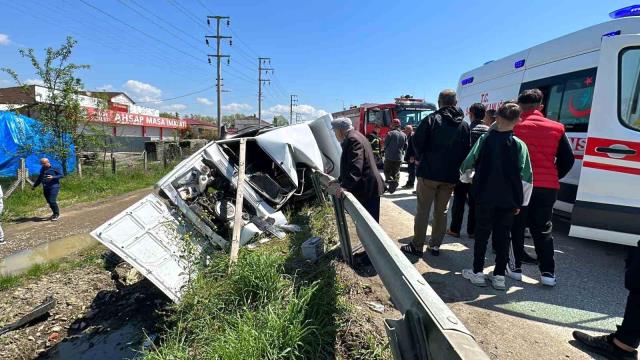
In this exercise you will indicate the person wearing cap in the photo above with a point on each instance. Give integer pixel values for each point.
(358, 172)
(394, 145)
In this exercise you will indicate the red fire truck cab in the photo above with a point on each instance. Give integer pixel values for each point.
(368, 116)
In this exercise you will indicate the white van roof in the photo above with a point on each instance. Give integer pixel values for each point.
(570, 45)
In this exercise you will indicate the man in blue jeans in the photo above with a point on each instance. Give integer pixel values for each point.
(50, 179)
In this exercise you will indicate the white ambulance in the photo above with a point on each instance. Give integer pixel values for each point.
(591, 84)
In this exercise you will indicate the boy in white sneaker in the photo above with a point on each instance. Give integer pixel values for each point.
(502, 183)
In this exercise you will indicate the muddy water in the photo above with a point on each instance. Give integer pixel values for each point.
(50, 251)
(123, 343)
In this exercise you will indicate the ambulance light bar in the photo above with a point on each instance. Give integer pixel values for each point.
(633, 10)
(518, 64)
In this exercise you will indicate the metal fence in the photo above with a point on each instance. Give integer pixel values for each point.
(428, 329)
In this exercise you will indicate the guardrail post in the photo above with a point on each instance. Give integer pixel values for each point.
(343, 231)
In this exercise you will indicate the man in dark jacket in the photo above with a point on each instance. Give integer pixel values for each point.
(394, 144)
(50, 179)
(410, 158)
(551, 159)
(623, 343)
(441, 143)
(358, 172)
(461, 193)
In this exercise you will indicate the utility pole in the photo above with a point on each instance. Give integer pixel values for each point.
(292, 103)
(218, 57)
(262, 61)
(298, 118)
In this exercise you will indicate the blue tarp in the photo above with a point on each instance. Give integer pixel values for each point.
(18, 132)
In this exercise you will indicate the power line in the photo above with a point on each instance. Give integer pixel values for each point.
(178, 97)
(157, 24)
(187, 13)
(196, 40)
(138, 30)
(152, 59)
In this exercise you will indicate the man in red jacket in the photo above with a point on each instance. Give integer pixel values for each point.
(551, 159)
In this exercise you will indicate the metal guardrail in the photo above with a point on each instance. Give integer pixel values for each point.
(428, 329)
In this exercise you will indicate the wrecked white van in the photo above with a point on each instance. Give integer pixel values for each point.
(198, 197)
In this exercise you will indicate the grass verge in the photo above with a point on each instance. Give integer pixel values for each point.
(270, 305)
(38, 270)
(96, 184)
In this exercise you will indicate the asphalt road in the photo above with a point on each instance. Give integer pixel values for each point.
(528, 321)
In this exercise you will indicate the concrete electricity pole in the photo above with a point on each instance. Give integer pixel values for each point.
(218, 57)
(262, 61)
(292, 103)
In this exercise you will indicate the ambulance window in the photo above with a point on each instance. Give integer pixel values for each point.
(567, 98)
(630, 88)
(554, 101)
(576, 103)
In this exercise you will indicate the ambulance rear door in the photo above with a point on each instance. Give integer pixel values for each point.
(607, 204)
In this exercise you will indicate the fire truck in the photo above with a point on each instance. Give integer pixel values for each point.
(368, 116)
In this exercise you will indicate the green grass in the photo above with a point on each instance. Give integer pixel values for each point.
(94, 185)
(91, 257)
(270, 305)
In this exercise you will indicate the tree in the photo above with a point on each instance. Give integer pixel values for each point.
(61, 118)
(206, 118)
(280, 121)
(170, 115)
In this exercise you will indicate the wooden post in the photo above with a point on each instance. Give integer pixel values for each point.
(237, 221)
(144, 160)
(22, 173)
(79, 160)
(113, 164)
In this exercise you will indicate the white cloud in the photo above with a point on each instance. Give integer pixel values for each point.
(175, 107)
(4, 82)
(34, 82)
(204, 101)
(307, 112)
(4, 39)
(143, 92)
(233, 108)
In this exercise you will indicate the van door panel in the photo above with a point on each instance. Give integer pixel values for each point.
(607, 204)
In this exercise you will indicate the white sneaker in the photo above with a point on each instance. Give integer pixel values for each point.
(497, 281)
(476, 279)
(548, 279)
(515, 274)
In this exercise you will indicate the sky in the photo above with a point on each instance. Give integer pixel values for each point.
(330, 53)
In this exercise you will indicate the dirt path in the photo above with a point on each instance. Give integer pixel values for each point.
(75, 219)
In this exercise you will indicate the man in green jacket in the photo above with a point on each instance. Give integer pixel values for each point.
(500, 168)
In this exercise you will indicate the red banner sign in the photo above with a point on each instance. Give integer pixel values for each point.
(124, 118)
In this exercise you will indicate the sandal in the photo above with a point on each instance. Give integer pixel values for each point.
(410, 249)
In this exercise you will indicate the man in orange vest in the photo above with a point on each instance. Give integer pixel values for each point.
(551, 159)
